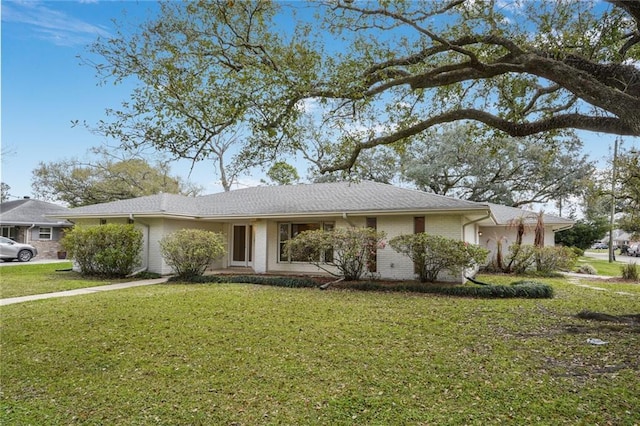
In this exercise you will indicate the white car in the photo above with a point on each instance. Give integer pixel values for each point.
(10, 250)
(634, 250)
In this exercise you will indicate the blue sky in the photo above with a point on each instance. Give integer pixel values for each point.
(44, 88)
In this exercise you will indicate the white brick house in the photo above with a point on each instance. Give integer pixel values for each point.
(256, 221)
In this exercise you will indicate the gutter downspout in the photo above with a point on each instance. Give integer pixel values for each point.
(143, 267)
(28, 233)
(464, 225)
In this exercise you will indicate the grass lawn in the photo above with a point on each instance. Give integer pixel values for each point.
(252, 355)
(604, 267)
(27, 279)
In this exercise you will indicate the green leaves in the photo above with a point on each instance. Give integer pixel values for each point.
(347, 249)
(382, 73)
(190, 251)
(110, 250)
(433, 254)
(79, 184)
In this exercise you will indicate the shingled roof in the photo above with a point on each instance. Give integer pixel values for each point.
(289, 200)
(504, 214)
(27, 211)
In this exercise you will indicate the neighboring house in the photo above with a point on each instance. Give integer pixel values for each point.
(28, 221)
(620, 238)
(257, 221)
(504, 227)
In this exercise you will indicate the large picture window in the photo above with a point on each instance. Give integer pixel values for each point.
(289, 230)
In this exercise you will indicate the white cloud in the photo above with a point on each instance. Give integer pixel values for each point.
(49, 24)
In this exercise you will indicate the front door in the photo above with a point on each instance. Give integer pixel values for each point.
(241, 245)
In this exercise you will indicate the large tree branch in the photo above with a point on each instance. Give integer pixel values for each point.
(577, 121)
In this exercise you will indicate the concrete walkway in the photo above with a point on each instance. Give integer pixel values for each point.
(78, 291)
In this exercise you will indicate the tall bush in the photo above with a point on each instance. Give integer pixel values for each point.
(630, 271)
(527, 258)
(433, 254)
(106, 250)
(189, 251)
(349, 250)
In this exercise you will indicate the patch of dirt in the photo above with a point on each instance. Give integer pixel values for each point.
(620, 323)
(600, 316)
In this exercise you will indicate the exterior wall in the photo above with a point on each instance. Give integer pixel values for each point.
(390, 264)
(261, 239)
(491, 234)
(393, 265)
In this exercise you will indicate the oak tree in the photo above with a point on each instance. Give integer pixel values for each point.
(79, 183)
(375, 73)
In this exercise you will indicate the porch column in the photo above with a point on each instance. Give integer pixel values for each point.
(261, 251)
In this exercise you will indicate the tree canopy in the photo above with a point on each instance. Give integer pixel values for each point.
(508, 171)
(79, 183)
(629, 193)
(371, 74)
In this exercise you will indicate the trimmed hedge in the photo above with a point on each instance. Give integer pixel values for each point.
(290, 282)
(522, 289)
(519, 289)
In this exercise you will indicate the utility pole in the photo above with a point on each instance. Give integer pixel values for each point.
(613, 201)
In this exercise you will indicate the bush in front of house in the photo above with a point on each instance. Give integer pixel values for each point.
(522, 290)
(349, 250)
(433, 254)
(524, 259)
(190, 251)
(289, 282)
(107, 250)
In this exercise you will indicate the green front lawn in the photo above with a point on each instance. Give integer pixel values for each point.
(27, 279)
(603, 266)
(250, 355)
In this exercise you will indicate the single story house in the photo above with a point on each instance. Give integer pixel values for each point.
(257, 221)
(29, 221)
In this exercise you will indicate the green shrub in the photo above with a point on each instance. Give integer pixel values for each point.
(105, 250)
(525, 290)
(578, 251)
(524, 259)
(146, 275)
(549, 259)
(586, 269)
(521, 258)
(349, 250)
(630, 271)
(433, 254)
(189, 251)
(291, 282)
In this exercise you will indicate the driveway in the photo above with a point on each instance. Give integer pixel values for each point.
(33, 261)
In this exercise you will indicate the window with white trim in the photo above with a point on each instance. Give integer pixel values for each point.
(288, 230)
(45, 233)
(9, 232)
